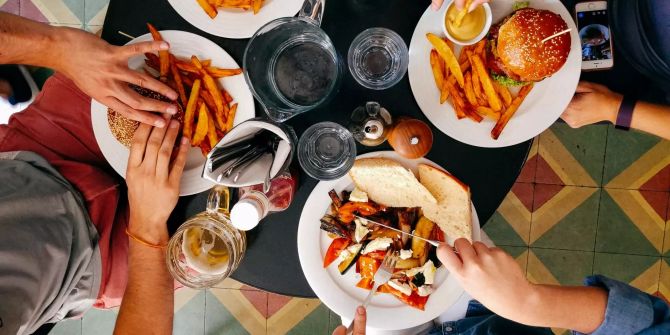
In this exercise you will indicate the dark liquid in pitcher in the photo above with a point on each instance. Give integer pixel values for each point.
(304, 73)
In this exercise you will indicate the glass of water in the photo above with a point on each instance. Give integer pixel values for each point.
(326, 151)
(378, 58)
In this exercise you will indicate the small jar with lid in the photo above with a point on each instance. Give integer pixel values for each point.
(254, 205)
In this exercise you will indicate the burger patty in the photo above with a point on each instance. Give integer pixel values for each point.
(494, 63)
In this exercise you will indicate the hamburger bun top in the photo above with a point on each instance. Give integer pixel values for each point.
(520, 46)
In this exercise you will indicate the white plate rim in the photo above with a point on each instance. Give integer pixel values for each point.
(234, 23)
(322, 283)
(117, 154)
(539, 111)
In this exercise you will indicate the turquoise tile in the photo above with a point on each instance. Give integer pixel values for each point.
(317, 322)
(98, 322)
(218, 320)
(95, 9)
(67, 327)
(190, 318)
(334, 321)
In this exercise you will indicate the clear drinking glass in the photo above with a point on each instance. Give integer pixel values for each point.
(326, 151)
(206, 249)
(378, 58)
(291, 64)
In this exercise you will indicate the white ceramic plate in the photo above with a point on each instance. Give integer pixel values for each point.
(235, 23)
(182, 45)
(339, 292)
(541, 108)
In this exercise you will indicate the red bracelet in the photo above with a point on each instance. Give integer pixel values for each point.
(145, 243)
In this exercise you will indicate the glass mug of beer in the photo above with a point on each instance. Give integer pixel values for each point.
(206, 249)
(291, 64)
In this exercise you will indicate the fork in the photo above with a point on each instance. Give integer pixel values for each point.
(382, 276)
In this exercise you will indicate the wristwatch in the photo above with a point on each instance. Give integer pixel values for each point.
(625, 116)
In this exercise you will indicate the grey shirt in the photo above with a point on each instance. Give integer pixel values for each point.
(50, 265)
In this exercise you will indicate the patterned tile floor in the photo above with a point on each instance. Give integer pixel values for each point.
(592, 200)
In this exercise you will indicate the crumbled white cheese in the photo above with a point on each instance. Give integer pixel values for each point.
(429, 272)
(358, 196)
(405, 254)
(360, 231)
(424, 290)
(427, 269)
(348, 252)
(381, 243)
(403, 288)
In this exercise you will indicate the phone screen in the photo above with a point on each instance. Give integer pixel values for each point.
(594, 32)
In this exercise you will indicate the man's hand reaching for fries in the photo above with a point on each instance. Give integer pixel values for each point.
(101, 71)
(459, 4)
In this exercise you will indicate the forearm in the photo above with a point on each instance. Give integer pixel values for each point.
(653, 119)
(148, 302)
(23, 41)
(577, 308)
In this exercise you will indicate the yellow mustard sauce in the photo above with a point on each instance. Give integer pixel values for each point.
(473, 23)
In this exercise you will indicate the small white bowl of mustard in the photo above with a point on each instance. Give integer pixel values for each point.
(474, 27)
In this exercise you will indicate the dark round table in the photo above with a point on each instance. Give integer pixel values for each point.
(271, 262)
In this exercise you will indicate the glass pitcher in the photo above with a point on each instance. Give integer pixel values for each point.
(291, 64)
(206, 249)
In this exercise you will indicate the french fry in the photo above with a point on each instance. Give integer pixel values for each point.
(231, 118)
(458, 102)
(509, 112)
(163, 55)
(477, 86)
(463, 56)
(202, 127)
(178, 82)
(465, 66)
(256, 5)
(504, 94)
(437, 65)
(444, 92)
(448, 55)
(220, 73)
(206, 62)
(487, 112)
(152, 61)
(491, 95)
(479, 47)
(187, 67)
(189, 114)
(211, 130)
(210, 84)
(227, 96)
(208, 100)
(208, 8)
(459, 18)
(469, 91)
(472, 115)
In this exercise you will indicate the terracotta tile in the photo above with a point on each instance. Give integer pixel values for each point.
(525, 193)
(544, 193)
(259, 300)
(276, 302)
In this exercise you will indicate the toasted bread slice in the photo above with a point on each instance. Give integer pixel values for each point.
(452, 213)
(389, 183)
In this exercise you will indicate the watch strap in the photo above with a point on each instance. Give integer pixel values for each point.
(625, 116)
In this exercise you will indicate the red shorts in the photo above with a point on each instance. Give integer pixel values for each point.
(57, 126)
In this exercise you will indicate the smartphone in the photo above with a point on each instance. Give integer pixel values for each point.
(595, 35)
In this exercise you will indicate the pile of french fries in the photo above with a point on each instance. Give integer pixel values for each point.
(210, 6)
(209, 110)
(466, 82)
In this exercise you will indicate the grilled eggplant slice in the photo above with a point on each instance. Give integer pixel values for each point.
(330, 224)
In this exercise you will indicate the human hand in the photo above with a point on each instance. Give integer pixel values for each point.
(459, 4)
(489, 275)
(101, 71)
(592, 103)
(153, 182)
(359, 323)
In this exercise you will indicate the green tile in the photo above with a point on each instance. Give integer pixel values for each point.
(622, 267)
(501, 232)
(98, 322)
(77, 8)
(190, 318)
(218, 320)
(586, 144)
(93, 8)
(334, 321)
(317, 322)
(567, 266)
(67, 327)
(516, 252)
(617, 233)
(623, 149)
(576, 231)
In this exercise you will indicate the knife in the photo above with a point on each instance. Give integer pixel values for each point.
(431, 242)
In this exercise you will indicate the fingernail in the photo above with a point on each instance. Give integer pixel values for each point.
(173, 96)
(164, 46)
(360, 310)
(159, 123)
(171, 110)
(184, 140)
(174, 124)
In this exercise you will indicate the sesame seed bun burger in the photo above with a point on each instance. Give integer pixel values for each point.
(124, 128)
(517, 55)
